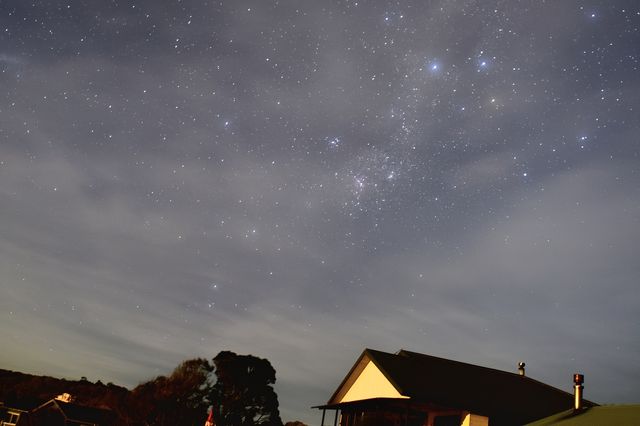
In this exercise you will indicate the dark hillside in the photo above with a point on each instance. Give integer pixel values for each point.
(29, 390)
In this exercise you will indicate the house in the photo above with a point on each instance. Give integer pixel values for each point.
(55, 412)
(10, 416)
(413, 389)
(15, 413)
(59, 412)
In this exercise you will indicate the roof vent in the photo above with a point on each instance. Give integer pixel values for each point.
(521, 368)
(578, 380)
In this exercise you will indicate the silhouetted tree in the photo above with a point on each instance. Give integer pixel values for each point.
(181, 398)
(243, 394)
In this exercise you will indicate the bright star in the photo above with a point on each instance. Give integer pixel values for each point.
(433, 67)
(334, 142)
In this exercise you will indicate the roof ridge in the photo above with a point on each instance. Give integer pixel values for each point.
(453, 361)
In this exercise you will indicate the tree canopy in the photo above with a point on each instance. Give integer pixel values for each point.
(243, 394)
(181, 398)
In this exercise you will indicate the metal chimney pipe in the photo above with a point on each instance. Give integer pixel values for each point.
(578, 380)
(521, 368)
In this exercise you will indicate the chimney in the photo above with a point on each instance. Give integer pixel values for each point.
(578, 380)
(521, 368)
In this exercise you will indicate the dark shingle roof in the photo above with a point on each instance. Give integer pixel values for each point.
(506, 398)
(22, 404)
(84, 414)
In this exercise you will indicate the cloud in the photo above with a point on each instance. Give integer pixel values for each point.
(10, 59)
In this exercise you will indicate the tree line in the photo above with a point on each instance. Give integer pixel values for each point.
(238, 389)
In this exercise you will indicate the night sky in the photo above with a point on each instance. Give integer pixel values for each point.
(300, 180)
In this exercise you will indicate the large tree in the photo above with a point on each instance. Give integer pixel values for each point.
(243, 394)
(181, 398)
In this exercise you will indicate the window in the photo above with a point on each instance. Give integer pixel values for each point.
(13, 418)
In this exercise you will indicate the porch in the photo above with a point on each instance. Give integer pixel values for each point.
(389, 412)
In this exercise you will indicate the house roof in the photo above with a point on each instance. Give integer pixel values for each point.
(81, 413)
(605, 415)
(504, 397)
(23, 404)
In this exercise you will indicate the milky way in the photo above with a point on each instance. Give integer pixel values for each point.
(303, 179)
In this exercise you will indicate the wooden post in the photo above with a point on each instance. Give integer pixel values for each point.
(335, 419)
(406, 416)
(324, 410)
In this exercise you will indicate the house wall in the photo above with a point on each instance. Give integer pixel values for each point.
(371, 383)
(475, 420)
